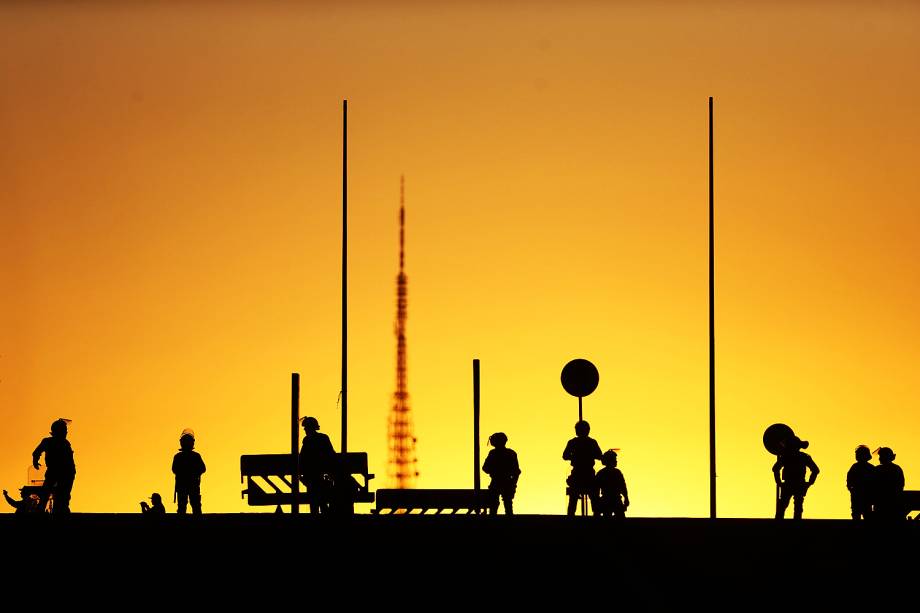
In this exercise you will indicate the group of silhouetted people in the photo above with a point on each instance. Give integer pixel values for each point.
(607, 489)
(876, 491)
(60, 471)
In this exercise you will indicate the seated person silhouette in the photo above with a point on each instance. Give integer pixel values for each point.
(789, 474)
(317, 464)
(612, 495)
(581, 451)
(889, 487)
(502, 466)
(155, 507)
(28, 503)
(860, 480)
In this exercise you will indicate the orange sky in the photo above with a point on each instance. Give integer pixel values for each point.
(169, 242)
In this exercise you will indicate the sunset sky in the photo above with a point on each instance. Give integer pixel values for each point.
(170, 184)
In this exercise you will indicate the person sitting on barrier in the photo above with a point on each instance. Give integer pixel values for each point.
(28, 503)
(61, 471)
(155, 508)
(860, 480)
(791, 465)
(889, 486)
(188, 468)
(613, 499)
(317, 459)
(581, 451)
(502, 466)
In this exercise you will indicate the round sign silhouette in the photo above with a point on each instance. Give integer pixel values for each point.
(775, 436)
(580, 377)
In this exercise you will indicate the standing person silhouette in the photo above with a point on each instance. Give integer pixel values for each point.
(789, 473)
(188, 467)
(613, 499)
(581, 451)
(60, 471)
(317, 459)
(889, 486)
(502, 466)
(860, 481)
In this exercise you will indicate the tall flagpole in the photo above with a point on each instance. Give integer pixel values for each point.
(344, 276)
(712, 340)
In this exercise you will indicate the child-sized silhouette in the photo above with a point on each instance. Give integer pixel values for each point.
(582, 451)
(188, 468)
(860, 481)
(502, 466)
(613, 499)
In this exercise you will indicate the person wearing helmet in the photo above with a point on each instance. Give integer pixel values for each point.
(60, 468)
(188, 467)
(889, 487)
(860, 479)
(317, 458)
(502, 466)
(581, 451)
(613, 499)
(789, 474)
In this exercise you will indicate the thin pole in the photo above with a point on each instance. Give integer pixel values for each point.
(476, 485)
(579, 409)
(344, 276)
(712, 339)
(295, 430)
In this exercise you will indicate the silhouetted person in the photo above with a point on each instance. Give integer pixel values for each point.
(860, 482)
(582, 451)
(789, 473)
(188, 467)
(27, 504)
(502, 466)
(317, 463)
(60, 470)
(612, 495)
(889, 487)
(155, 507)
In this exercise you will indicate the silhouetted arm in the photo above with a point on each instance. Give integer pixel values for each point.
(13, 503)
(487, 465)
(201, 466)
(567, 454)
(37, 454)
(814, 471)
(851, 477)
(776, 468)
(515, 467)
(900, 479)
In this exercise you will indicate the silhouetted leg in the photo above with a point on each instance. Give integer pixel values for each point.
(62, 496)
(195, 499)
(783, 502)
(797, 506)
(595, 503)
(573, 503)
(182, 497)
(509, 504)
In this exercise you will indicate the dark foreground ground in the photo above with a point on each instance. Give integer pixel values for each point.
(268, 559)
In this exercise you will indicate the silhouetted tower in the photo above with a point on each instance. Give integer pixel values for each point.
(402, 463)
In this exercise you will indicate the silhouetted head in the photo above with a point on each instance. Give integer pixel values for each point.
(582, 428)
(885, 455)
(609, 458)
(310, 424)
(499, 440)
(155, 499)
(187, 440)
(863, 454)
(59, 428)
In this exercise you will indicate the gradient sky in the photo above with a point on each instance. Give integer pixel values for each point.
(169, 239)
